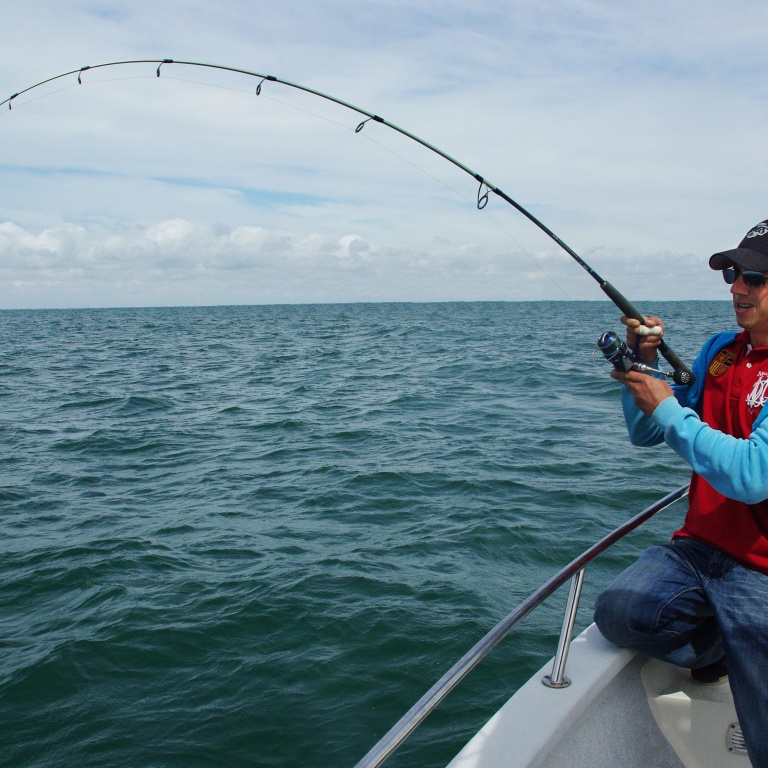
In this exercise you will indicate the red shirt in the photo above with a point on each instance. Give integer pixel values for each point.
(734, 392)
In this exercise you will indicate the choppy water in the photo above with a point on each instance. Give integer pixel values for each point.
(254, 536)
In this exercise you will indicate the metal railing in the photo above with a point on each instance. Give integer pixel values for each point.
(575, 571)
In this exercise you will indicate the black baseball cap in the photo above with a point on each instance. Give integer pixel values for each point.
(752, 252)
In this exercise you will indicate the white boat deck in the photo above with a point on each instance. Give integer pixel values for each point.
(608, 717)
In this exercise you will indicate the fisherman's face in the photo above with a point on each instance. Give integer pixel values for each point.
(751, 308)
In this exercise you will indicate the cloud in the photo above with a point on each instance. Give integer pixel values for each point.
(179, 262)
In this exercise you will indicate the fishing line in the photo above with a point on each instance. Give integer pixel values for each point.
(484, 209)
(461, 195)
(539, 267)
(6, 113)
(358, 130)
(682, 372)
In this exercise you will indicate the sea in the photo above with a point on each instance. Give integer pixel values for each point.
(256, 535)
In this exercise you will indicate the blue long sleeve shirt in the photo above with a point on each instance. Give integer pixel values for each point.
(732, 513)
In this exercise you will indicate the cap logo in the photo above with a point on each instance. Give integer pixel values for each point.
(760, 230)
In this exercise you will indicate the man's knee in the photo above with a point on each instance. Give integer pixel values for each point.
(611, 617)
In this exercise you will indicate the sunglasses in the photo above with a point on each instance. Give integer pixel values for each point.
(751, 278)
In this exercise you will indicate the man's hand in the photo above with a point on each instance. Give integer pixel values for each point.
(648, 348)
(648, 391)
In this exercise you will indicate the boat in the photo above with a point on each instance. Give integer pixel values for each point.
(615, 707)
(621, 709)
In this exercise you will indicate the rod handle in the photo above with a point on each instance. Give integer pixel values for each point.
(682, 373)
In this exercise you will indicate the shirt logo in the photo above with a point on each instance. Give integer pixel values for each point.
(722, 362)
(756, 398)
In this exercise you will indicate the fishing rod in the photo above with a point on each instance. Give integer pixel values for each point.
(681, 375)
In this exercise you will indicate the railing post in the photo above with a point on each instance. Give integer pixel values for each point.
(557, 678)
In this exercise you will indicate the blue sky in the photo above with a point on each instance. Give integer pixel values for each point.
(636, 133)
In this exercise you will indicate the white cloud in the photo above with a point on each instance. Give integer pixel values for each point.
(178, 262)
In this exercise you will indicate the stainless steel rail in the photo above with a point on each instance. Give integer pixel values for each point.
(557, 678)
(427, 703)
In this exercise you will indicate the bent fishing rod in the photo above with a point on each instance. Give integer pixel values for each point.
(681, 373)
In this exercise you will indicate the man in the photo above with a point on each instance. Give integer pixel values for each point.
(701, 601)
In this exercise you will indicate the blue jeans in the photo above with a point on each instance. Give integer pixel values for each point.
(690, 604)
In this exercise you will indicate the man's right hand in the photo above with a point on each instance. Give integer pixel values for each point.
(648, 349)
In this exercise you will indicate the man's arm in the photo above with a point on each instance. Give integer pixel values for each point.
(656, 412)
(736, 467)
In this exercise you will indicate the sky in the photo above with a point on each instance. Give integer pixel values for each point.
(635, 132)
